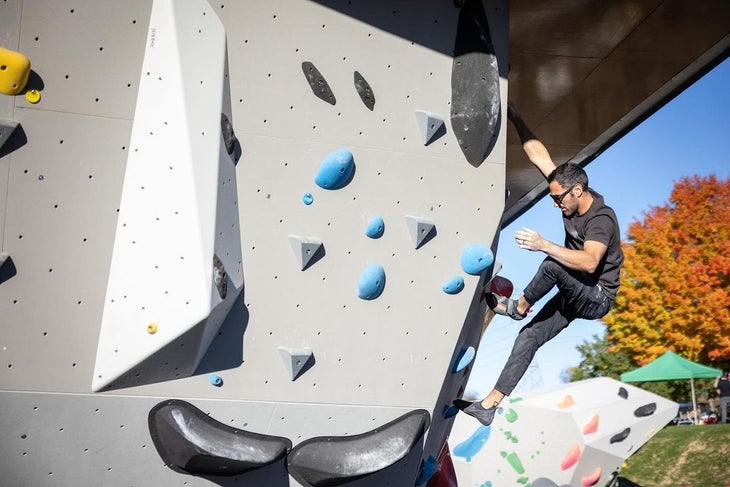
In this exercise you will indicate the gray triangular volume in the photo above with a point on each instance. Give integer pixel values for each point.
(3, 258)
(304, 248)
(419, 228)
(295, 359)
(7, 127)
(428, 124)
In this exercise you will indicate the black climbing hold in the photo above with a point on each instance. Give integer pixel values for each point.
(189, 441)
(220, 277)
(645, 410)
(475, 99)
(365, 91)
(337, 460)
(229, 138)
(623, 393)
(619, 437)
(319, 85)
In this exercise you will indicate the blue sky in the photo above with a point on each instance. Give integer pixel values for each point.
(687, 136)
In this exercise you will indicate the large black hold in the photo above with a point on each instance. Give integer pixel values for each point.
(475, 100)
(189, 441)
(336, 460)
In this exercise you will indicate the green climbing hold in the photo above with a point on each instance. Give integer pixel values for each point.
(511, 415)
(514, 460)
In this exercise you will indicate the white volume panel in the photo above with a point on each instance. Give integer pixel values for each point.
(178, 205)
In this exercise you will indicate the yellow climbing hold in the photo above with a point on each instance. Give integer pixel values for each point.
(33, 96)
(152, 328)
(14, 71)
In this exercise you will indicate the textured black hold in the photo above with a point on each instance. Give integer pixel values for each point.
(365, 91)
(319, 461)
(619, 437)
(475, 100)
(645, 410)
(229, 137)
(319, 85)
(220, 277)
(623, 392)
(189, 441)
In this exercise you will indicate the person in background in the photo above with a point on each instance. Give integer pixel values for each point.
(722, 384)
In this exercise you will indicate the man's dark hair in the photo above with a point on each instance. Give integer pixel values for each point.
(568, 175)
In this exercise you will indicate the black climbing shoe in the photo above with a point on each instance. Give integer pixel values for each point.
(482, 414)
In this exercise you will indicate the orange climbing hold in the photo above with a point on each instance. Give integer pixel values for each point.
(591, 426)
(591, 479)
(571, 457)
(14, 71)
(566, 403)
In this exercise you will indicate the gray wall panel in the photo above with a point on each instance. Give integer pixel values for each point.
(62, 207)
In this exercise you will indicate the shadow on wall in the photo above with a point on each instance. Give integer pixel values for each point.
(274, 475)
(226, 350)
(16, 140)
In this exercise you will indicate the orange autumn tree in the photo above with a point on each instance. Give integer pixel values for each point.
(675, 281)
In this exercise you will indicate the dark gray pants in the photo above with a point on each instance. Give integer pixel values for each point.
(575, 299)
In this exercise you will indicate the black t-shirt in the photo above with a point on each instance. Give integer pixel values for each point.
(599, 224)
(724, 385)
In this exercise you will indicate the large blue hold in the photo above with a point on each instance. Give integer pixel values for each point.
(336, 170)
(372, 282)
(475, 258)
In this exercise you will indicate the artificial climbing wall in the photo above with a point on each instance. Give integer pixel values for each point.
(301, 353)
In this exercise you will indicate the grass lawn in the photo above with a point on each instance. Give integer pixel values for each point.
(681, 456)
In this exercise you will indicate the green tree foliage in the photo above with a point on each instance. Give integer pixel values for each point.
(675, 283)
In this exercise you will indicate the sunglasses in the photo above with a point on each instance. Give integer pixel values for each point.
(558, 198)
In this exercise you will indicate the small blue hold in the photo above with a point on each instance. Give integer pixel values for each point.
(376, 227)
(336, 170)
(372, 282)
(307, 198)
(450, 412)
(215, 380)
(453, 285)
(475, 258)
(464, 359)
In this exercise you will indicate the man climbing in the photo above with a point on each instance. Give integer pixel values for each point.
(585, 269)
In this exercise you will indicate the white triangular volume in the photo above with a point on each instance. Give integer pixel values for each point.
(419, 229)
(304, 249)
(178, 207)
(3, 257)
(295, 359)
(428, 124)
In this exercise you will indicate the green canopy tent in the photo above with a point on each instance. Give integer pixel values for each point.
(671, 366)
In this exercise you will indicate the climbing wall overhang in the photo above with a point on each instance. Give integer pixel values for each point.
(176, 263)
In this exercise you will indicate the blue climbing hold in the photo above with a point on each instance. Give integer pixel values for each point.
(336, 170)
(216, 380)
(451, 411)
(475, 258)
(307, 199)
(468, 449)
(453, 285)
(375, 228)
(372, 282)
(465, 358)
